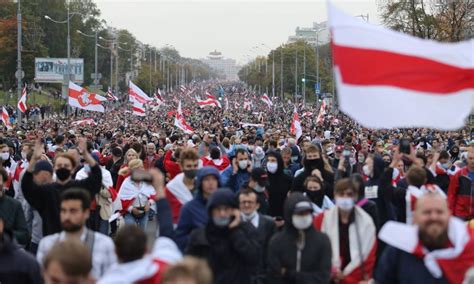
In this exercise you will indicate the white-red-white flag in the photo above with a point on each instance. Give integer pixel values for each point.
(6, 118)
(247, 104)
(22, 102)
(81, 98)
(295, 128)
(209, 101)
(136, 94)
(322, 113)
(138, 109)
(110, 95)
(307, 114)
(387, 79)
(84, 122)
(180, 122)
(267, 100)
(226, 103)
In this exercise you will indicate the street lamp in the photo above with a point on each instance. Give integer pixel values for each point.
(131, 59)
(273, 70)
(111, 61)
(96, 63)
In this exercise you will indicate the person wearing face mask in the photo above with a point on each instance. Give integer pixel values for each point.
(299, 254)
(258, 182)
(265, 226)
(279, 184)
(218, 161)
(314, 189)
(179, 190)
(352, 234)
(45, 198)
(9, 164)
(234, 176)
(228, 244)
(442, 171)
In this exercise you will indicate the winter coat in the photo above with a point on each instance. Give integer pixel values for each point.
(279, 185)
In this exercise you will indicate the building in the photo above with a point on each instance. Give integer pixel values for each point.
(311, 35)
(223, 66)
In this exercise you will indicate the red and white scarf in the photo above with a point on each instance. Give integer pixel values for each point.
(362, 242)
(412, 195)
(179, 190)
(451, 262)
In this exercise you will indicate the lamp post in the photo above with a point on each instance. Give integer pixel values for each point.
(19, 72)
(96, 62)
(131, 59)
(273, 70)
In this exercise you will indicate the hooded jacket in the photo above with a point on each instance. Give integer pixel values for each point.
(194, 214)
(283, 250)
(232, 254)
(279, 185)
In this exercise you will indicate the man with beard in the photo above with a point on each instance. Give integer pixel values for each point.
(436, 249)
(314, 165)
(45, 198)
(75, 204)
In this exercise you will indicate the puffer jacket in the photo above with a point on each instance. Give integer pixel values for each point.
(461, 195)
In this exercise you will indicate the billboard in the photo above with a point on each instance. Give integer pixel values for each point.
(52, 70)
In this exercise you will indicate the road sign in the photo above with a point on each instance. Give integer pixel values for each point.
(99, 76)
(20, 74)
(317, 88)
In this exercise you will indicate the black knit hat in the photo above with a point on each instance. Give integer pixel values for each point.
(43, 165)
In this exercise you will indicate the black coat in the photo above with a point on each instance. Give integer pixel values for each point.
(282, 252)
(279, 185)
(232, 255)
(265, 231)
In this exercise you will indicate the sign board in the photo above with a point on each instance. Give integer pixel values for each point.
(317, 88)
(53, 70)
(93, 76)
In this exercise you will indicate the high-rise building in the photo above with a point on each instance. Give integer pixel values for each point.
(311, 34)
(223, 66)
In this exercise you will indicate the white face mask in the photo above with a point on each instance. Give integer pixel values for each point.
(248, 217)
(243, 164)
(366, 170)
(272, 167)
(345, 203)
(259, 188)
(302, 222)
(5, 156)
(23, 155)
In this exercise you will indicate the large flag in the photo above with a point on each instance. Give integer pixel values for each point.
(386, 79)
(136, 94)
(81, 98)
(267, 100)
(296, 125)
(22, 102)
(84, 122)
(6, 118)
(138, 109)
(180, 122)
(209, 101)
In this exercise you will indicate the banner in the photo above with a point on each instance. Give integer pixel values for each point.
(52, 70)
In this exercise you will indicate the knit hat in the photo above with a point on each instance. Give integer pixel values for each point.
(222, 196)
(43, 165)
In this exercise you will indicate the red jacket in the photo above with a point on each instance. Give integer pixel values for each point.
(150, 164)
(171, 167)
(461, 195)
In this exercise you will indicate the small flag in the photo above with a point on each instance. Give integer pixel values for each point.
(296, 125)
(22, 102)
(180, 122)
(267, 100)
(6, 118)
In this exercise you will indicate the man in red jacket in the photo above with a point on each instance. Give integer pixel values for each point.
(461, 190)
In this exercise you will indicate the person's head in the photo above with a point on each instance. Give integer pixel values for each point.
(189, 162)
(314, 189)
(130, 155)
(26, 148)
(432, 217)
(208, 180)
(275, 163)
(361, 156)
(117, 152)
(3, 180)
(312, 159)
(416, 176)
(258, 179)
(150, 149)
(215, 153)
(130, 243)
(188, 271)
(64, 165)
(4, 152)
(386, 159)
(43, 172)
(312, 152)
(74, 209)
(368, 167)
(470, 160)
(68, 261)
(135, 164)
(248, 202)
(221, 207)
(444, 159)
(242, 158)
(378, 148)
(74, 153)
(298, 212)
(345, 194)
(286, 155)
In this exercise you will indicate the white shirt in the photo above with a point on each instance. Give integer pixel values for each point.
(103, 251)
(255, 220)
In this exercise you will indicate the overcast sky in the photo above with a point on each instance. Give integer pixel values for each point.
(196, 27)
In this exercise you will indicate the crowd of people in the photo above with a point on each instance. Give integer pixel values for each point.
(239, 200)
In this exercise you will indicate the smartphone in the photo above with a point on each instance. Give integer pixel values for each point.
(139, 175)
(405, 146)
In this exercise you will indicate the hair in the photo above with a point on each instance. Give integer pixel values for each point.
(312, 179)
(246, 190)
(4, 174)
(344, 184)
(73, 257)
(59, 139)
(416, 176)
(188, 154)
(66, 156)
(77, 194)
(189, 268)
(444, 155)
(3, 146)
(312, 149)
(286, 150)
(240, 151)
(273, 143)
(131, 150)
(135, 164)
(130, 243)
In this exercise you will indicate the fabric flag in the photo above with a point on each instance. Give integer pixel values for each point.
(22, 102)
(136, 94)
(158, 95)
(83, 122)
(6, 118)
(138, 108)
(180, 122)
(306, 114)
(267, 100)
(386, 79)
(296, 125)
(322, 113)
(81, 98)
(110, 95)
(226, 103)
(209, 101)
(247, 104)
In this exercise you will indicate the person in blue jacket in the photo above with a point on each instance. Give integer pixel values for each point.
(194, 213)
(239, 172)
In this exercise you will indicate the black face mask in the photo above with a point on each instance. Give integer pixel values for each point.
(386, 164)
(314, 164)
(316, 196)
(190, 174)
(63, 174)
